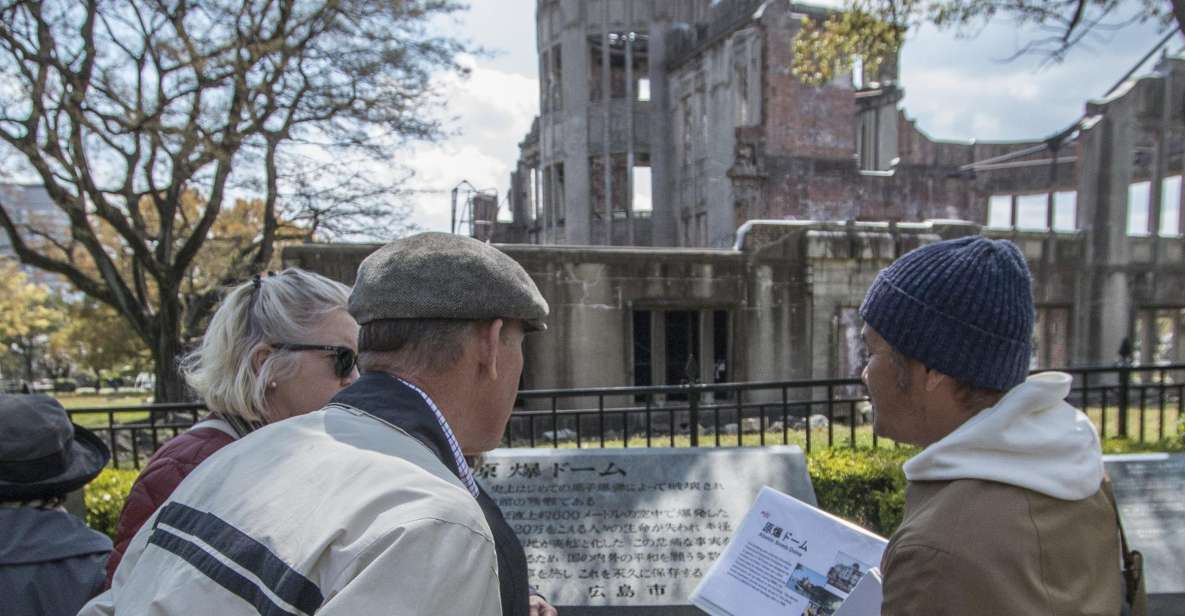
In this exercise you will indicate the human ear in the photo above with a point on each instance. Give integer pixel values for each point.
(490, 342)
(258, 356)
(934, 379)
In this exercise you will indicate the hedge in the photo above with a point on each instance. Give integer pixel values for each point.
(105, 496)
(865, 486)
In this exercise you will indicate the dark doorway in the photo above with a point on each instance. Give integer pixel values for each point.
(682, 329)
(642, 360)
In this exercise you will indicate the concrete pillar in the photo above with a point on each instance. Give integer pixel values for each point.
(629, 124)
(1105, 172)
(574, 119)
(886, 138)
(1160, 165)
(662, 146)
(607, 131)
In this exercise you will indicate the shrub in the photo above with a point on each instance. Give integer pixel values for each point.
(105, 496)
(864, 486)
(64, 386)
(1126, 445)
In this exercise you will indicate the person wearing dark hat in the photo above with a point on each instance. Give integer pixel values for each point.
(366, 506)
(1005, 511)
(50, 562)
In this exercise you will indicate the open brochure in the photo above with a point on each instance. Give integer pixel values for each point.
(866, 597)
(788, 558)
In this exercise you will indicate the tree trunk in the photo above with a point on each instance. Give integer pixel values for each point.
(27, 354)
(166, 355)
(98, 381)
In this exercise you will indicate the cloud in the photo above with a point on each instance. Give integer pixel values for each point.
(491, 112)
(962, 87)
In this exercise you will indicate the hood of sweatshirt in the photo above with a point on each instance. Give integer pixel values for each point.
(1032, 438)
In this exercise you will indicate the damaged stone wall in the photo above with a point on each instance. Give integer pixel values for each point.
(781, 305)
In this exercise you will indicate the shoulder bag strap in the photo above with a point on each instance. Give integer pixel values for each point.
(1136, 599)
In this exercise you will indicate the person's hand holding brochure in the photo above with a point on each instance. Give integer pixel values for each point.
(791, 559)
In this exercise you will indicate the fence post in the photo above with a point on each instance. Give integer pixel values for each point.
(1125, 377)
(693, 411)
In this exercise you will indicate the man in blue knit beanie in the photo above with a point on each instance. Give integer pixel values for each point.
(1004, 511)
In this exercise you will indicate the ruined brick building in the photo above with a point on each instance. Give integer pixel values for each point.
(681, 194)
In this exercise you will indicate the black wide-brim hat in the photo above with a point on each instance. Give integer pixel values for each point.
(43, 454)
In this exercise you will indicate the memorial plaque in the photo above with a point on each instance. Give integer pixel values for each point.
(1150, 490)
(629, 531)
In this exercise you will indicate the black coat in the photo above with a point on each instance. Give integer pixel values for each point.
(390, 400)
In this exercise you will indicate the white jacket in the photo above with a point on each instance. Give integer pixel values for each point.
(1032, 438)
(336, 512)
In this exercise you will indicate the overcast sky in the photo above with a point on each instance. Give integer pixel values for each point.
(956, 87)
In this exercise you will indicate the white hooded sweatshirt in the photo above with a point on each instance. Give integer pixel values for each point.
(1032, 438)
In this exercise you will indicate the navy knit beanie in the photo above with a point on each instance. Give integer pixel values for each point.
(963, 307)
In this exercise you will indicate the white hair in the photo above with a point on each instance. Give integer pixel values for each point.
(273, 309)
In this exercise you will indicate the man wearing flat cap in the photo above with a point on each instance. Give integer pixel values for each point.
(366, 506)
(50, 562)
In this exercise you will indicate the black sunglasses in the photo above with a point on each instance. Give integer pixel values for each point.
(344, 358)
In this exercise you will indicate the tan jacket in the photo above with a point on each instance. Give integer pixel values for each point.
(1004, 516)
(971, 547)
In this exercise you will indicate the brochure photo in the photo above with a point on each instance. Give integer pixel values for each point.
(788, 558)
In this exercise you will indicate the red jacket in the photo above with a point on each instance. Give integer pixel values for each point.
(164, 472)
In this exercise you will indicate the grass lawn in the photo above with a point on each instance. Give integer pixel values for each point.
(1152, 422)
(819, 439)
(89, 399)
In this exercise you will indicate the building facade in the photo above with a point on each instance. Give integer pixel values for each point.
(686, 115)
(692, 211)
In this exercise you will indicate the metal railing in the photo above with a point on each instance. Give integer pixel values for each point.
(1141, 403)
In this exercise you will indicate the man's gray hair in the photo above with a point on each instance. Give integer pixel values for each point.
(273, 309)
(410, 346)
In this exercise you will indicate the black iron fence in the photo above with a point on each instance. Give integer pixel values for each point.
(1142, 403)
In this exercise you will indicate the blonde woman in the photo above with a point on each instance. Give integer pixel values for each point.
(278, 346)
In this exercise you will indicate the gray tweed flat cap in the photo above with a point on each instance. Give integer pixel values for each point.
(445, 276)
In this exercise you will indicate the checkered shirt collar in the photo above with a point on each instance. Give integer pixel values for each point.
(458, 457)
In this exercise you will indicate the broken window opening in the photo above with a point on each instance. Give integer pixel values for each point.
(1170, 206)
(643, 89)
(643, 206)
(619, 185)
(1158, 337)
(1065, 210)
(1031, 211)
(553, 194)
(1138, 196)
(554, 82)
(1000, 211)
(533, 205)
(639, 61)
